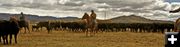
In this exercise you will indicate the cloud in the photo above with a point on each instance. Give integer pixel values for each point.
(171, 1)
(63, 1)
(152, 9)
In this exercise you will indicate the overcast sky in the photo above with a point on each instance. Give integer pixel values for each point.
(151, 9)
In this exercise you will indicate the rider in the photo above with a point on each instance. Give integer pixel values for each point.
(22, 17)
(93, 16)
(93, 19)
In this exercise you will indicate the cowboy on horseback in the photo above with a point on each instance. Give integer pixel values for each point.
(23, 22)
(90, 22)
(93, 17)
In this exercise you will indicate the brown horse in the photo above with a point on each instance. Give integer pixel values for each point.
(90, 22)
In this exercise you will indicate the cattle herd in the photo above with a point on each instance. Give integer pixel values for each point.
(106, 27)
(9, 28)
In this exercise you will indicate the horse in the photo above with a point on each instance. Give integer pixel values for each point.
(90, 22)
(24, 24)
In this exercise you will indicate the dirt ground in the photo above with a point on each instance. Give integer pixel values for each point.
(101, 39)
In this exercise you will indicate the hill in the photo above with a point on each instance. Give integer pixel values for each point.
(135, 19)
(121, 19)
(36, 18)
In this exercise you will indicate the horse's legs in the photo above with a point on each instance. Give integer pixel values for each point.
(32, 29)
(91, 31)
(86, 32)
(94, 30)
(28, 29)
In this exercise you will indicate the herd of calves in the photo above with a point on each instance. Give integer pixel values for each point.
(104, 27)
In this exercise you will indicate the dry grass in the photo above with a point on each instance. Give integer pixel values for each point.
(103, 39)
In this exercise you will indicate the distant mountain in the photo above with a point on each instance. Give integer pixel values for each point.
(36, 18)
(121, 19)
(135, 19)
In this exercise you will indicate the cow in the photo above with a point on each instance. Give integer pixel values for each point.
(46, 24)
(35, 28)
(9, 28)
(4, 31)
(14, 26)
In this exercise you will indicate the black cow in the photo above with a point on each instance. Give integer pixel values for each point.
(35, 28)
(45, 24)
(9, 28)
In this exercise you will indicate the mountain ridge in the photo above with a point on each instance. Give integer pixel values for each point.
(120, 19)
(136, 19)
